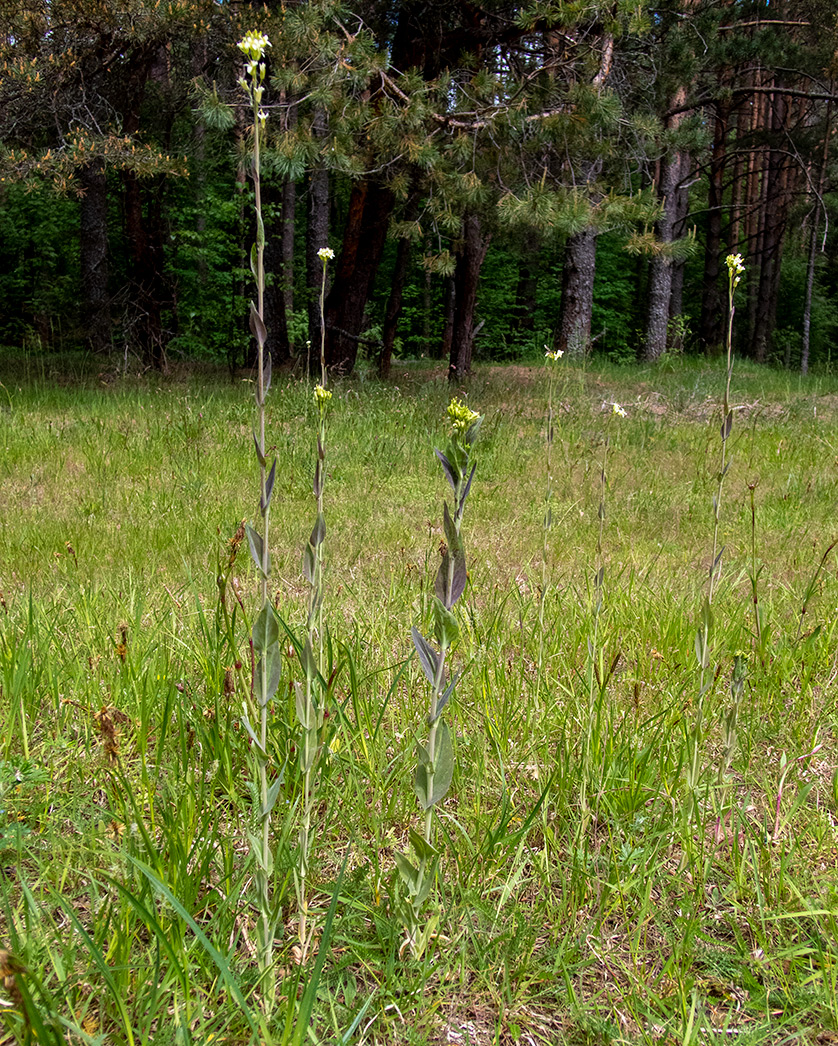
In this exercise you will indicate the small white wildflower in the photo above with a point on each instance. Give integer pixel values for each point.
(735, 267)
(254, 46)
(325, 254)
(618, 410)
(321, 396)
(552, 354)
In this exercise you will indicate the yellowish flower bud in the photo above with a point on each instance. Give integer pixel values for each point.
(462, 417)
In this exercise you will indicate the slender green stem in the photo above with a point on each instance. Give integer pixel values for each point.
(315, 632)
(548, 523)
(696, 738)
(253, 47)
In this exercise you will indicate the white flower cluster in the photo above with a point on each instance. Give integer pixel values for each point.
(618, 410)
(735, 267)
(325, 254)
(254, 46)
(553, 354)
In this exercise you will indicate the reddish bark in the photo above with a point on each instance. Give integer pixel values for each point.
(466, 281)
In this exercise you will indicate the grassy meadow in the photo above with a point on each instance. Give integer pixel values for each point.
(633, 849)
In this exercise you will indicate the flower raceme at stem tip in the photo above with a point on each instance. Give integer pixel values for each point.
(254, 45)
(618, 410)
(735, 267)
(325, 254)
(553, 354)
(462, 417)
(321, 396)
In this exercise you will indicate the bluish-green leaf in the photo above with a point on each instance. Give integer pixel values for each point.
(257, 326)
(450, 581)
(309, 563)
(446, 629)
(443, 764)
(472, 433)
(319, 531)
(308, 661)
(467, 488)
(273, 791)
(257, 548)
(272, 659)
(444, 699)
(269, 488)
(264, 858)
(422, 848)
(304, 707)
(422, 781)
(310, 748)
(265, 629)
(408, 872)
(448, 468)
(247, 725)
(428, 657)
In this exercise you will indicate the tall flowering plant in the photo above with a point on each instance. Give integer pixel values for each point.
(704, 635)
(435, 758)
(310, 695)
(264, 637)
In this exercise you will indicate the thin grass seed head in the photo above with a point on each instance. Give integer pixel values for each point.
(10, 970)
(106, 725)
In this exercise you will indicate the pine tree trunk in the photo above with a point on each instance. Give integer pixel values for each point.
(94, 257)
(810, 284)
(813, 245)
(526, 291)
(466, 281)
(427, 304)
(274, 298)
(289, 206)
(772, 241)
(448, 322)
(577, 302)
(394, 301)
(660, 268)
(712, 325)
(143, 230)
(317, 236)
(370, 206)
(682, 210)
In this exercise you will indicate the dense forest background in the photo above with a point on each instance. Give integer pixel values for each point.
(492, 177)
